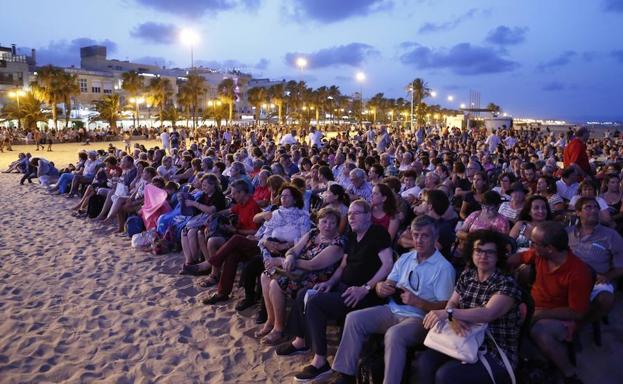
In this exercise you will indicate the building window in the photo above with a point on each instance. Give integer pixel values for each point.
(107, 91)
(83, 85)
(96, 90)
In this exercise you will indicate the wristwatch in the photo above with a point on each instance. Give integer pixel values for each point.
(367, 287)
(449, 311)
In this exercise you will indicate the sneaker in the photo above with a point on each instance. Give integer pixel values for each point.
(287, 349)
(310, 373)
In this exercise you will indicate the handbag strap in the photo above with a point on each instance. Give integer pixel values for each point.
(507, 363)
(485, 362)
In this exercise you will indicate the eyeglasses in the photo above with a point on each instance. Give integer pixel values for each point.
(417, 281)
(485, 252)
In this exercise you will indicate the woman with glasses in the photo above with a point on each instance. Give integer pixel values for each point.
(504, 184)
(484, 293)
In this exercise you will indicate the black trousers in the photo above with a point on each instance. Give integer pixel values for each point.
(311, 322)
(251, 272)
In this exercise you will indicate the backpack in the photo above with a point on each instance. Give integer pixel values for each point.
(96, 203)
(134, 225)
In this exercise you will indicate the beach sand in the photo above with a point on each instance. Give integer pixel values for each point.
(79, 306)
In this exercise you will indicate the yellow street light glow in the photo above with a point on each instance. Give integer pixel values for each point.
(272, 105)
(189, 37)
(17, 93)
(462, 105)
(137, 100)
(264, 105)
(360, 76)
(210, 103)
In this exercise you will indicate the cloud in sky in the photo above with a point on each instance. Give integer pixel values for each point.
(158, 33)
(462, 59)
(197, 8)
(230, 64)
(504, 35)
(448, 25)
(330, 11)
(558, 62)
(613, 5)
(553, 86)
(154, 60)
(353, 54)
(66, 53)
(618, 55)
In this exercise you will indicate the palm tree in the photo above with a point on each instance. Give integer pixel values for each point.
(276, 93)
(68, 87)
(227, 93)
(494, 109)
(170, 114)
(184, 100)
(109, 109)
(256, 97)
(420, 90)
(377, 105)
(47, 88)
(159, 92)
(132, 83)
(10, 111)
(31, 111)
(196, 88)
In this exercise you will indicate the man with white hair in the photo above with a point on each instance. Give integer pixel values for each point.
(360, 187)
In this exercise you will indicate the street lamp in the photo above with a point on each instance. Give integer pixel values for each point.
(462, 106)
(450, 98)
(361, 77)
(190, 38)
(17, 94)
(433, 93)
(301, 62)
(137, 101)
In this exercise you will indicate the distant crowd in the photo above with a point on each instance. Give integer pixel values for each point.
(380, 231)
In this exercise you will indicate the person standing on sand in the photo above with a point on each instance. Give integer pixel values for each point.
(166, 140)
(575, 153)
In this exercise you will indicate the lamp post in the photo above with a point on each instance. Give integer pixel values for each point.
(137, 101)
(17, 94)
(361, 77)
(190, 38)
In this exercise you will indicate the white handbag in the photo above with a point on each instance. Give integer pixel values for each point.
(465, 348)
(442, 338)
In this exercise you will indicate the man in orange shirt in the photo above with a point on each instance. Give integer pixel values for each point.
(560, 291)
(575, 152)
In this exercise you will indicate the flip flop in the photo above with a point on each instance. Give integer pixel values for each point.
(209, 281)
(262, 332)
(273, 338)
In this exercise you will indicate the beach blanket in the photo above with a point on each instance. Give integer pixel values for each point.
(155, 205)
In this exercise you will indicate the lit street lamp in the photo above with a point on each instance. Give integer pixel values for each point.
(190, 38)
(136, 101)
(17, 94)
(433, 94)
(450, 98)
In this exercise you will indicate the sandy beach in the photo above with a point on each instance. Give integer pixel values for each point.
(79, 306)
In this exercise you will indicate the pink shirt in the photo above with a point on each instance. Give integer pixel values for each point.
(475, 222)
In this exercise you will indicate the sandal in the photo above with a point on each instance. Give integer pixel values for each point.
(273, 338)
(262, 332)
(209, 281)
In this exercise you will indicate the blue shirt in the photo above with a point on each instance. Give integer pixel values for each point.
(431, 280)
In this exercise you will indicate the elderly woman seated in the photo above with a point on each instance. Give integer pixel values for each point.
(312, 260)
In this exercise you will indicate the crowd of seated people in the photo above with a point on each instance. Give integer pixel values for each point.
(379, 234)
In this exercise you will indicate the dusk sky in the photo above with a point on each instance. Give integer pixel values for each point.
(546, 59)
